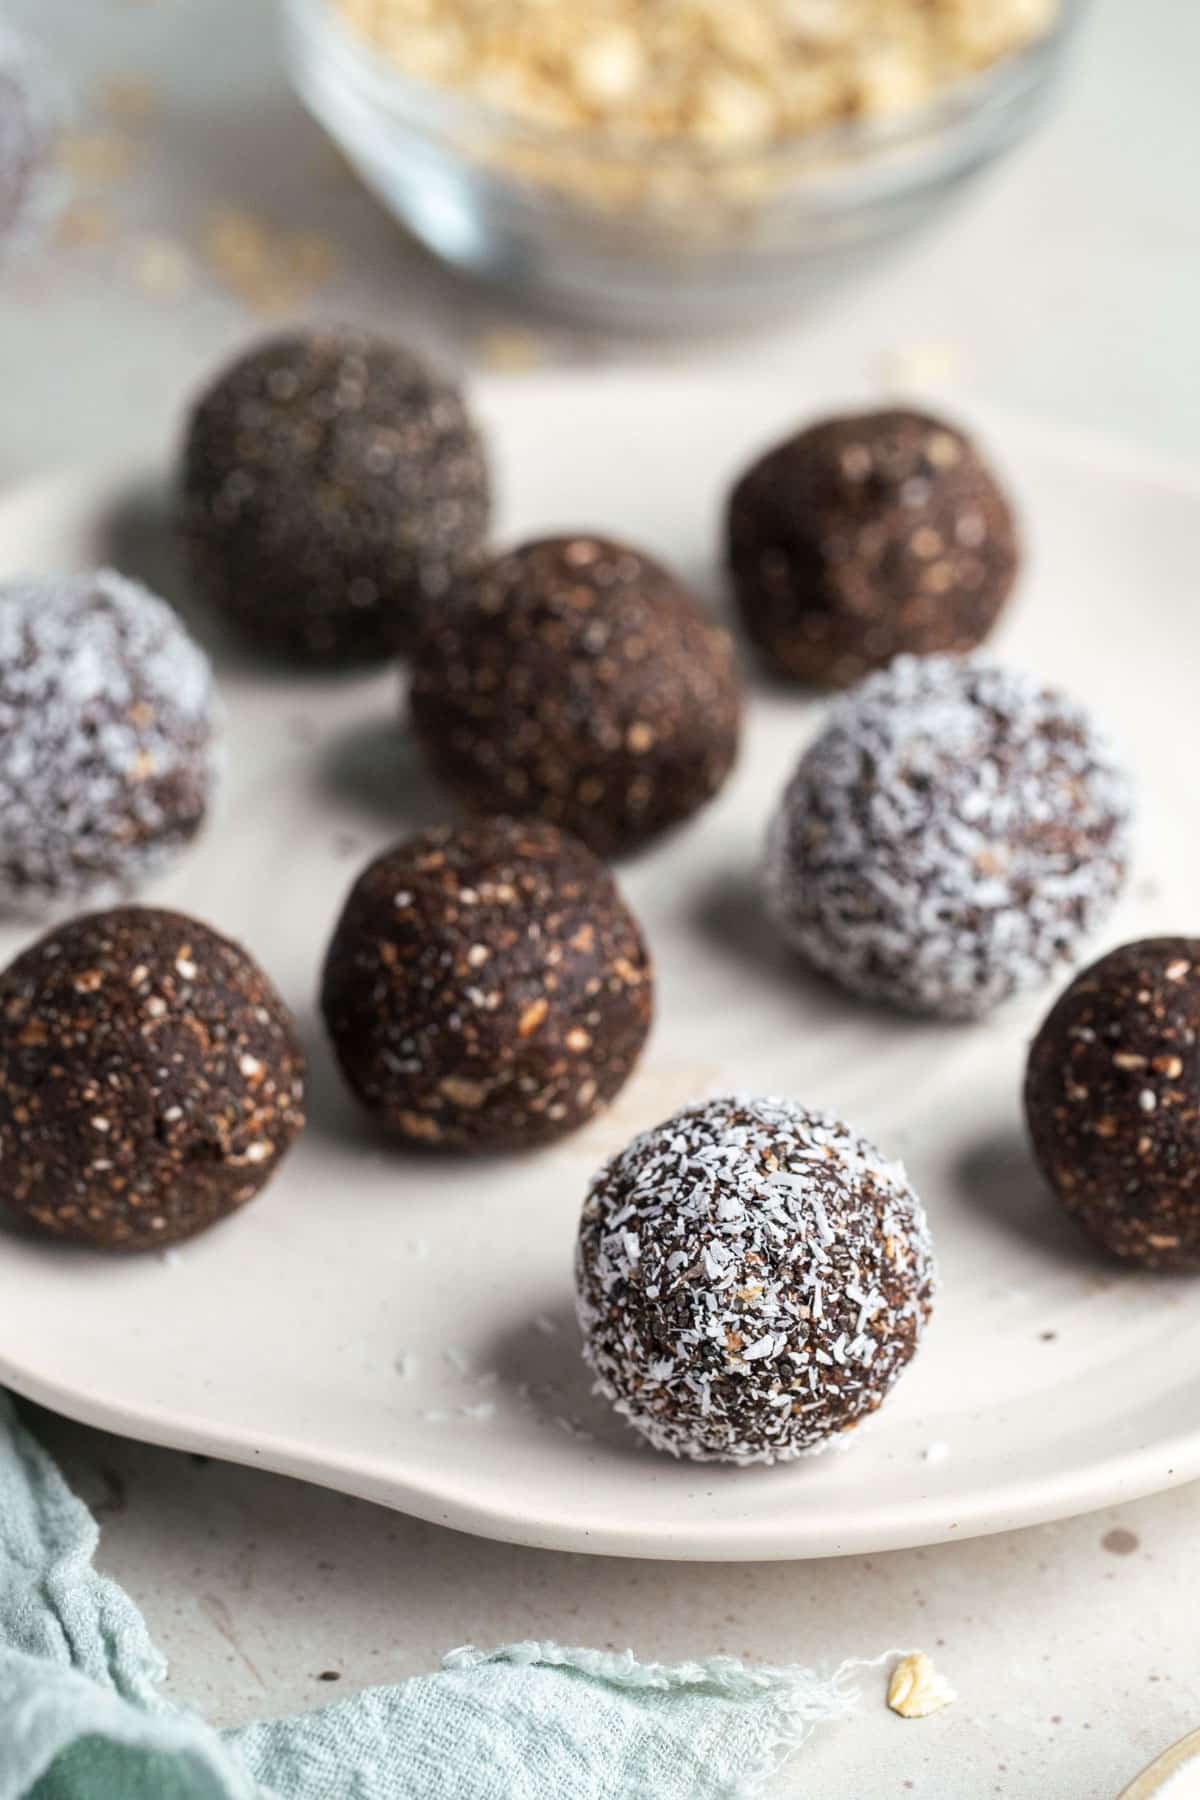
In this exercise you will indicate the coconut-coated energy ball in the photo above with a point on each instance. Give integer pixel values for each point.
(752, 1278)
(486, 988)
(108, 727)
(333, 486)
(1112, 1098)
(576, 679)
(867, 537)
(951, 838)
(151, 1080)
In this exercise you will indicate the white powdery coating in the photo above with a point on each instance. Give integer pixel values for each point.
(107, 751)
(950, 838)
(751, 1279)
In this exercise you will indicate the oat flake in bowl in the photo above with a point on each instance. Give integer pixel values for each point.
(701, 71)
(669, 163)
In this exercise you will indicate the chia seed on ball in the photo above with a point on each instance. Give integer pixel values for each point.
(1112, 1099)
(867, 537)
(576, 679)
(333, 487)
(752, 1278)
(950, 839)
(150, 1080)
(107, 738)
(486, 987)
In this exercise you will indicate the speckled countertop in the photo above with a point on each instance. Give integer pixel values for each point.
(205, 204)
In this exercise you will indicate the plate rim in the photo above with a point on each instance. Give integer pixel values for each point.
(1108, 1483)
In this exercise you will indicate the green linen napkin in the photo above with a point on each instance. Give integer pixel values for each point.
(82, 1717)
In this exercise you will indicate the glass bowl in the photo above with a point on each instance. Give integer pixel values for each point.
(656, 234)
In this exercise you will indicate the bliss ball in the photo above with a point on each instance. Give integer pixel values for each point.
(576, 679)
(951, 838)
(108, 759)
(866, 537)
(29, 115)
(151, 1080)
(486, 987)
(752, 1278)
(333, 486)
(1112, 1098)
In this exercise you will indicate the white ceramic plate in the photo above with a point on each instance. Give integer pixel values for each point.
(401, 1327)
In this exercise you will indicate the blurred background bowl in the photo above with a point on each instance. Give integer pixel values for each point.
(659, 234)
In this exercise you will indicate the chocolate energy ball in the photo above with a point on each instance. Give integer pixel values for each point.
(865, 537)
(952, 836)
(486, 987)
(576, 679)
(752, 1277)
(333, 486)
(1112, 1097)
(150, 1080)
(108, 757)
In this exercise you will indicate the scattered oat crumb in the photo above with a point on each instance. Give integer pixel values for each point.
(170, 1259)
(269, 271)
(906, 368)
(573, 1428)
(96, 156)
(511, 352)
(129, 97)
(458, 1360)
(435, 1416)
(546, 1325)
(406, 1364)
(162, 267)
(84, 223)
(479, 1410)
(936, 1452)
(916, 1689)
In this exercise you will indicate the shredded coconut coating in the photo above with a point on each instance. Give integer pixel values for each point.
(107, 758)
(950, 839)
(751, 1279)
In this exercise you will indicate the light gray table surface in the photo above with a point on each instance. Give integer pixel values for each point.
(1069, 287)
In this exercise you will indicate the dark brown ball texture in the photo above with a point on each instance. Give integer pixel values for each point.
(866, 537)
(486, 987)
(150, 1080)
(333, 485)
(1112, 1098)
(578, 680)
